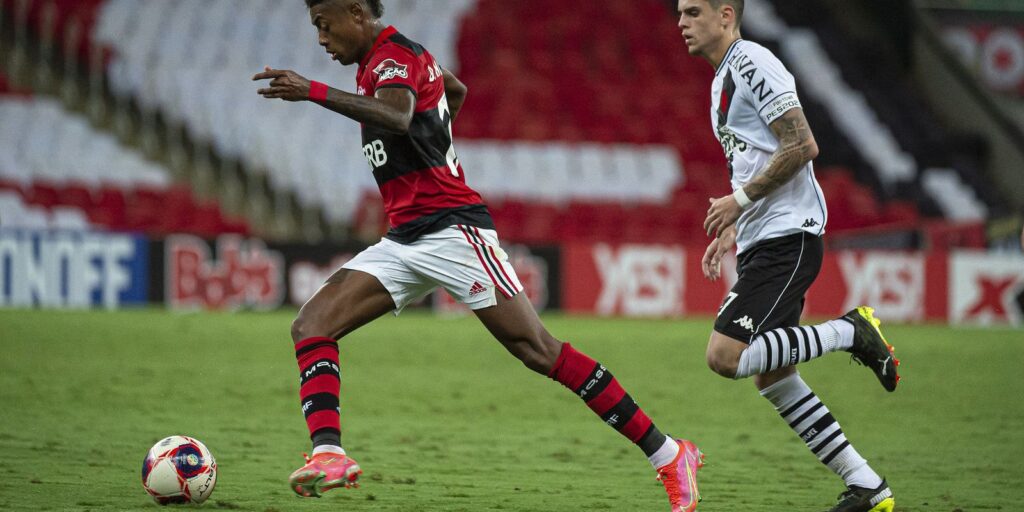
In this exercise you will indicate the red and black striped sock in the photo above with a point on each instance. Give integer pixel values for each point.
(603, 394)
(319, 388)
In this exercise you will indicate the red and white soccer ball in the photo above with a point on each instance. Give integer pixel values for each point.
(179, 469)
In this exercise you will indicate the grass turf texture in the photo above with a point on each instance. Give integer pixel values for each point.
(442, 419)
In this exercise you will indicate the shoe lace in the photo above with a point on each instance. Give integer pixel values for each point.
(848, 494)
(667, 476)
(856, 358)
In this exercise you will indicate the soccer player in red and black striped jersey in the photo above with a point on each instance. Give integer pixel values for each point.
(441, 235)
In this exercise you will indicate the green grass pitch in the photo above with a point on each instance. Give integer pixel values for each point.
(442, 419)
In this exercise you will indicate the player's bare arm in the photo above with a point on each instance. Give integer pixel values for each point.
(796, 147)
(455, 91)
(390, 108)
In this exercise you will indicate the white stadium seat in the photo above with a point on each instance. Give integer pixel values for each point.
(41, 141)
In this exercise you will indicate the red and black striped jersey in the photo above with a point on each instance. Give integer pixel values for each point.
(418, 172)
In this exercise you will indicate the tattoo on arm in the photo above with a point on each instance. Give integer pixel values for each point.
(796, 148)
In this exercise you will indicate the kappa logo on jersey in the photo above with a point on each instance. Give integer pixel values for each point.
(810, 223)
(745, 323)
(390, 69)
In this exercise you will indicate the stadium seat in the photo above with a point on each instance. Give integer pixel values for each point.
(73, 176)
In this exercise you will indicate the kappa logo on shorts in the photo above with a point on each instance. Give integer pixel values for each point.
(476, 289)
(745, 323)
(389, 69)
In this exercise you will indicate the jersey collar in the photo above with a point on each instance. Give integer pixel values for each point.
(728, 53)
(384, 35)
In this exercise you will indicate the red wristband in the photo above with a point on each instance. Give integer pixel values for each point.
(317, 91)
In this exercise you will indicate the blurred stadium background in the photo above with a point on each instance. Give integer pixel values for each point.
(139, 168)
(135, 152)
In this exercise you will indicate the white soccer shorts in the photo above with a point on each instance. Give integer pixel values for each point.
(464, 260)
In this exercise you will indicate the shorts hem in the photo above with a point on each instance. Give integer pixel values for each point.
(385, 281)
(745, 338)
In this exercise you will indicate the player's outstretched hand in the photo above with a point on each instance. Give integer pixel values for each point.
(724, 212)
(284, 84)
(712, 262)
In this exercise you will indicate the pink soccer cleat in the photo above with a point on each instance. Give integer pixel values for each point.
(680, 477)
(323, 472)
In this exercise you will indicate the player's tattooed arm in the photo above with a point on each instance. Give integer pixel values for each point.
(455, 91)
(796, 148)
(390, 108)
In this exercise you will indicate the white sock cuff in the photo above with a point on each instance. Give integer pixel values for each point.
(743, 367)
(842, 337)
(328, 448)
(854, 470)
(666, 454)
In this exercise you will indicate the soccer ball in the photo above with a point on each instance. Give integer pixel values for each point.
(179, 469)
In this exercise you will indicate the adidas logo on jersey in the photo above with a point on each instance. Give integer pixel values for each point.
(476, 289)
(810, 223)
(745, 323)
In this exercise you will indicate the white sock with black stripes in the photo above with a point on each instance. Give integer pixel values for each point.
(787, 346)
(811, 420)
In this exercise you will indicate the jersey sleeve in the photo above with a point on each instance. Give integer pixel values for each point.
(393, 66)
(772, 88)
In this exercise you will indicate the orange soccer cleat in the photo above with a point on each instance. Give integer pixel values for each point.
(323, 472)
(680, 477)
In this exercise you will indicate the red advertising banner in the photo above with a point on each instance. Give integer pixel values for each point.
(652, 280)
(240, 273)
(630, 280)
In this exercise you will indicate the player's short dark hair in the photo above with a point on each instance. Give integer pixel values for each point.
(376, 6)
(736, 4)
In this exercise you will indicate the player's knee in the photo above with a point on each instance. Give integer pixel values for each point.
(303, 328)
(722, 364)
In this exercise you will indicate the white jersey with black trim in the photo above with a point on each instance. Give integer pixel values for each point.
(752, 89)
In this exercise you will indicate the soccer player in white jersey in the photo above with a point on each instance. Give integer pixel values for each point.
(776, 218)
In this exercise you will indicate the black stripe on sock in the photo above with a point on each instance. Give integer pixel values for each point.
(319, 402)
(828, 458)
(767, 351)
(797, 405)
(318, 368)
(623, 411)
(326, 435)
(794, 344)
(832, 437)
(810, 410)
(598, 380)
(651, 440)
(314, 346)
(779, 350)
(817, 427)
(817, 340)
